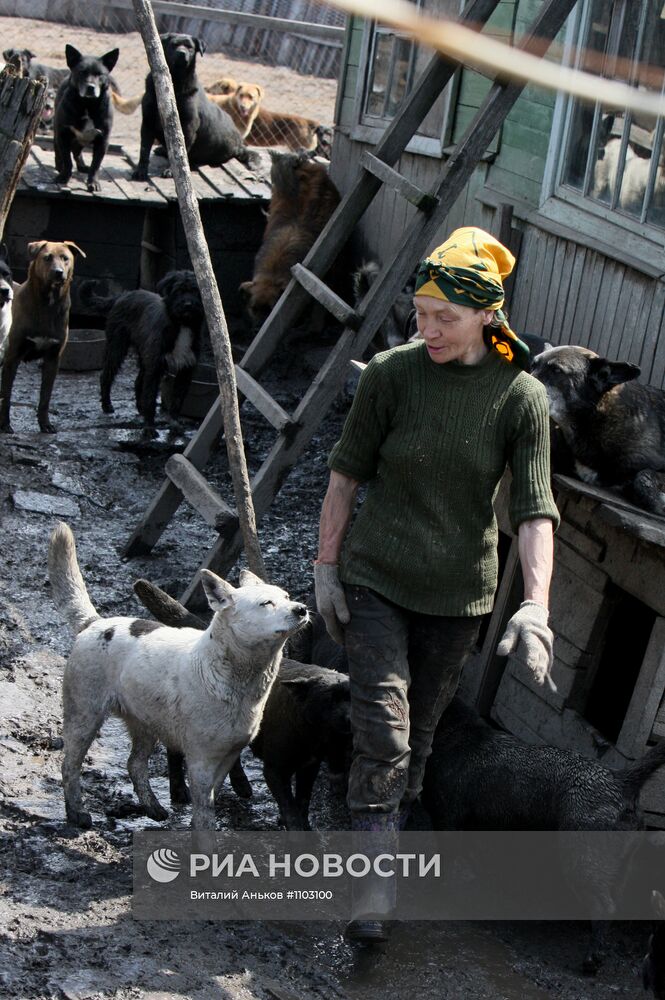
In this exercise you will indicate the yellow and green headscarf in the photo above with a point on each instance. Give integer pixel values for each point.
(468, 269)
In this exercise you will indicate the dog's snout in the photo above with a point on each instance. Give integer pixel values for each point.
(300, 610)
(5, 293)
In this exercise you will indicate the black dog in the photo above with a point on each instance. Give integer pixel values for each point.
(24, 60)
(210, 135)
(480, 778)
(83, 114)
(613, 426)
(165, 328)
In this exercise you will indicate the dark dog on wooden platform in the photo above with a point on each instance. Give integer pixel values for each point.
(303, 199)
(614, 426)
(305, 722)
(40, 323)
(210, 136)
(164, 327)
(24, 59)
(83, 114)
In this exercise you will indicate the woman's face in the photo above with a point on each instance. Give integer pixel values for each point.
(451, 332)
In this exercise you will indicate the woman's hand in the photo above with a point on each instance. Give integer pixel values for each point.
(330, 600)
(530, 638)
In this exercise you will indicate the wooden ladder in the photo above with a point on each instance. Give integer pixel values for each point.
(294, 431)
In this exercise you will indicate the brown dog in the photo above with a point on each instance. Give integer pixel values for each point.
(242, 104)
(272, 128)
(303, 199)
(40, 323)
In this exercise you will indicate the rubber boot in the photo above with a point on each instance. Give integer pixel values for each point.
(373, 899)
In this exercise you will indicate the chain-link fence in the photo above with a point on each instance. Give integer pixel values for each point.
(270, 64)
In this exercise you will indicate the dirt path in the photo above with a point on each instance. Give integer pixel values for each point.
(66, 907)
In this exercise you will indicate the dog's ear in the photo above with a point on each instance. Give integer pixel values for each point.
(34, 248)
(7, 54)
(218, 592)
(249, 579)
(73, 56)
(109, 59)
(164, 284)
(4, 253)
(246, 288)
(73, 246)
(29, 54)
(260, 92)
(199, 45)
(604, 374)
(299, 687)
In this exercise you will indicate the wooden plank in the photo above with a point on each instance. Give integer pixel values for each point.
(262, 400)
(647, 695)
(75, 188)
(568, 325)
(608, 300)
(658, 366)
(325, 295)
(629, 324)
(198, 492)
(575, 486)
(651, 341)
(423, 201)
(565, 265)
(119, 169)
(225, 186)
(328, 33)
(246, 180)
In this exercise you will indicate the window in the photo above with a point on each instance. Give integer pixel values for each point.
(612, 158)
(394, 63)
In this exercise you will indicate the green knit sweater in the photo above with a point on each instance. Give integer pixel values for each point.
(432, 442)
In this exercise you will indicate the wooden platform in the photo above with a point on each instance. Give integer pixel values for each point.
(230, 182)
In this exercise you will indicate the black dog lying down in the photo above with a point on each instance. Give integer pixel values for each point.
(613, 426)
(210, 135)
(480, 778)
(165, 329)
(305, 721)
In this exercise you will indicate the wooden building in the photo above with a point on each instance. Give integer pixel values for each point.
(587, 191)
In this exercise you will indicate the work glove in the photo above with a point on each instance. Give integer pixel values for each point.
(529, 637)
(330, 600)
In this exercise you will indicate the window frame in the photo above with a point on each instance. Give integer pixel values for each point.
(561, 203)
(370, 128)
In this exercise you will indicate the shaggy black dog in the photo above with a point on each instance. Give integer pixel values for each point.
(165, 329)
(210, 135)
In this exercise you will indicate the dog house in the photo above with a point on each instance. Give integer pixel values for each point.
(131, 230)
(608, 614)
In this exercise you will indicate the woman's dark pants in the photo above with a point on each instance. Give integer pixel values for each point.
(404, 668)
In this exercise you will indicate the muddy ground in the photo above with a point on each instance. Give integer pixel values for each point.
(65, 913)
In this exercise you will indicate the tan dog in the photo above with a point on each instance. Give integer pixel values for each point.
(242, 105)
(272, 128)
(227, 85)
(40, 323)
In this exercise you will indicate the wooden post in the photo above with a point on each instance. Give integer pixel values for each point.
(21, 103)
(212, 303)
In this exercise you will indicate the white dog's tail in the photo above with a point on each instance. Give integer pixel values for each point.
(69, 592)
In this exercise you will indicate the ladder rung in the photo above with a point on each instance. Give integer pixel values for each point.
(262, 400)
(199, 493)
(328, 299)
(425, 202)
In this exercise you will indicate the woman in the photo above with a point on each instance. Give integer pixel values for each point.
(432, 427)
